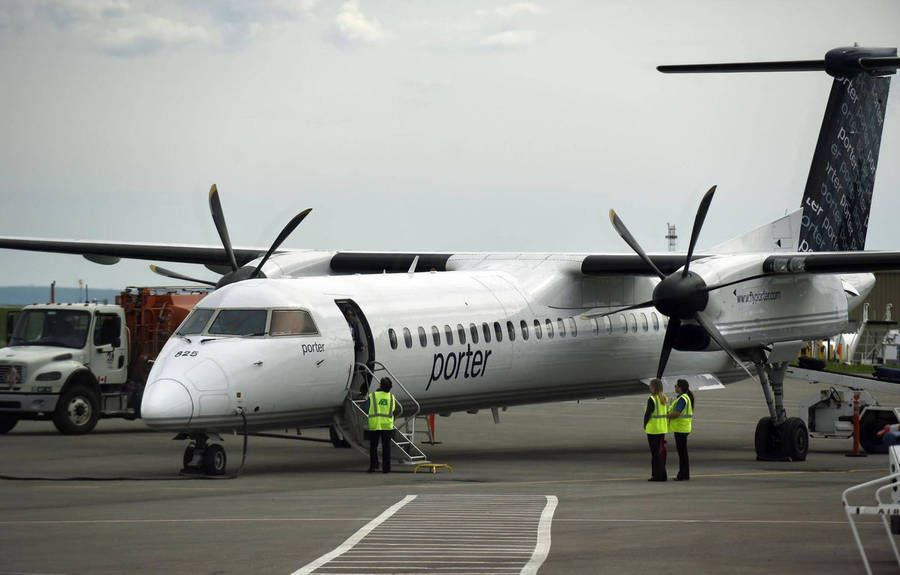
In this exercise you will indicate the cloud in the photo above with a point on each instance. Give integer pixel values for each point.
(351, 26)
(146, 34)
(510, 11)
(509, 39)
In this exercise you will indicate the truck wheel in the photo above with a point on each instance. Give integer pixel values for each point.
(77, 411)
(214, 459)
(794, 439)
(7, 422)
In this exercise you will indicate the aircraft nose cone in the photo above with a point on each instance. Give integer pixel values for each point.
(167, 403)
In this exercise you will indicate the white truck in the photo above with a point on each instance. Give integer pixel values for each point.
(75, 363)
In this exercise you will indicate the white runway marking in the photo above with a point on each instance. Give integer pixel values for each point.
(470, 534)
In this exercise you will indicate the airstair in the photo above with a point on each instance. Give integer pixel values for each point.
(353, 421)
(868, 343)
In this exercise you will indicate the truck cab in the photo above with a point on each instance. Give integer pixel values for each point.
(67, 363)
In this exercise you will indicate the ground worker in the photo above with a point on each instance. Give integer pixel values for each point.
(381, 406)
(681, 417)
(655, 426)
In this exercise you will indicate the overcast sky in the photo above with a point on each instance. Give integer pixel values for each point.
(410, 125)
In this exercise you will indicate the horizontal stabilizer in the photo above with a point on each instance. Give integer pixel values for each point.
(839, 62)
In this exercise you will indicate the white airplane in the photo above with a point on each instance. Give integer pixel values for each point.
(273, 348)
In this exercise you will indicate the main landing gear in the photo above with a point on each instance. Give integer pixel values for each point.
(200, 456)
(778, 437)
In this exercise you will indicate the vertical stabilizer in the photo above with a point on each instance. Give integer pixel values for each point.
(838, 191)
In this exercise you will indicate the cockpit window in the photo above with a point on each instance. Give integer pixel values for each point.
(195, 322)
(239, 322)
(292, 322)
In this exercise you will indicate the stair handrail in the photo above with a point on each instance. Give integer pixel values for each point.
(380, 366)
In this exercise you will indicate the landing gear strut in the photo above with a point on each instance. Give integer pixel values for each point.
(200, 456)
(778, 437)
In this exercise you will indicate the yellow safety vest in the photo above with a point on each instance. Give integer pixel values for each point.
(657, 423)
(682, 423)
(381, 411)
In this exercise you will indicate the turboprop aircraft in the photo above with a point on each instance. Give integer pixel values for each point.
(275, 345)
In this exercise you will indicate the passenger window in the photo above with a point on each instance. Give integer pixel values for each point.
(511, 330)
(549, 328)
(633, 321)
(392, 335)
(423, 338)
(537, 328)
(436, 335)
(644, 325)
(655, 321)
(292, 322)
(498, 331)
(561, 326)
(448, 334)
(623, 325)
(407, 338)
(462, 334)
(608, 324)
(573, 328)
(486, 329)
(473, 329)
(524, 325)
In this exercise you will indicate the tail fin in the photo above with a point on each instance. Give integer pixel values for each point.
(839, 187)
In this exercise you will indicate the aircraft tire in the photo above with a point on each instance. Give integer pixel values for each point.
(336, 440)
(794, 439)
(7, 422)
(77, 411)
(766, 439)
(214, 459)
(188, 457)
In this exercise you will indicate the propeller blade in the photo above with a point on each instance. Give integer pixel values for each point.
(698, 224)
(175, 275)
(717, 337)
(733, 282)
(290, 227)
(215, 207)
(671, 330)
(621, 309)
(629, 239)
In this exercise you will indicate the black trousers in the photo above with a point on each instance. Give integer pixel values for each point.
(384, 436)
(657, 460)
(684, 464)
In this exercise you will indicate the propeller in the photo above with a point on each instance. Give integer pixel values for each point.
(682, 295)
(175, 275)
(237, 273)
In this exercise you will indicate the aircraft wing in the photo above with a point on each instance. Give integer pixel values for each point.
(110, 253)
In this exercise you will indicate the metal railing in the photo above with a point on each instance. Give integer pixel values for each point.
(882, 509)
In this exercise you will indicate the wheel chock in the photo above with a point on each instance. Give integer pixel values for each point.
(433, 467)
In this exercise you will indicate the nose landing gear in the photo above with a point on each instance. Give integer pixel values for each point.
(200, 456)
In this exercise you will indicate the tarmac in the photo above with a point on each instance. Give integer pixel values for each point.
(297, 501)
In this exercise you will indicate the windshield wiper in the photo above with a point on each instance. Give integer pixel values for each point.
(184, 337)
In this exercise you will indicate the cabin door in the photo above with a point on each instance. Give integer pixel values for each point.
(363, 344)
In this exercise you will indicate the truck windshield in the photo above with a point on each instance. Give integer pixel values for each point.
(56, 327)
(195, 322)
(239, 322)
